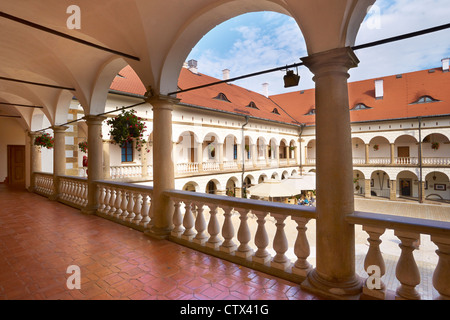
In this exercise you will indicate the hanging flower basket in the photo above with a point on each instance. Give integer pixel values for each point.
(435, 145)
(376, 147)
(83, 146)
(125, 127)
(44, 140)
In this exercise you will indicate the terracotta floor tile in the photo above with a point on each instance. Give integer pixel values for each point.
(40, 238)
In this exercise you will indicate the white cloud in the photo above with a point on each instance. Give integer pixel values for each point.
(277, 41)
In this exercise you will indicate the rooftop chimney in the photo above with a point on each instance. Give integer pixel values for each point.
(265, 89)
(445, 64)
(226, 74)
(192, 66)
(379, 89)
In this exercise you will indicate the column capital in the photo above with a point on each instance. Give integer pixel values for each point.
(57, 128)
(162, 101)
(332, 61)
(94, 119)
(33, 133)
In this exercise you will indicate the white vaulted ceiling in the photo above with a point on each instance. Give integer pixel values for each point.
(160, 33)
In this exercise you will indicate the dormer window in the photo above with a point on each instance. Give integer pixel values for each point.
(425, 99)
(361, 106)
(275, 111)
(222, 96)
(252, 105)
(311, 112)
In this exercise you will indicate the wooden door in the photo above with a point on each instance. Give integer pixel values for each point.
(16, 165)
(403, 152)
(405, 187)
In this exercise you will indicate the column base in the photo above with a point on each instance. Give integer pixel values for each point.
(158, 233)
(349, 290)
(89, 210)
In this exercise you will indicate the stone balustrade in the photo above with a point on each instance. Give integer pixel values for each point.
(407, 160)
(211, 166)
(187, 167)
(436, 161)
(408, 231)
(44, 183)
(73, 191)
(207, 223)
(125, 203)
(126, 171)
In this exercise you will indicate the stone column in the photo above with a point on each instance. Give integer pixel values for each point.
(254, 154)
(163, 166)
(220, 150)
(277, 155)
(392, 153)
(266, 155)
(200, 156)
(106, 160)
(239, 156)
(393, 190)
(422, 191)
(144, 162)
(334, 274)
(367, 188)
(95, 160)
(35, 159)
(367, 154)
(59, 157)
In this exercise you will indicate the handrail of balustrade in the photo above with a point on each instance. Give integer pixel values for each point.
(408, 231)
(128, 186)
(242, 203)
(423, 226)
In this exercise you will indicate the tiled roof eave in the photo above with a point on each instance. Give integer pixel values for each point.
(236, 114)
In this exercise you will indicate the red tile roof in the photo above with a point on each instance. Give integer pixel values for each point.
(400, 93)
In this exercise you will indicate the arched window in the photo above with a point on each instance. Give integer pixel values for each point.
(222, 96)
(425, 99)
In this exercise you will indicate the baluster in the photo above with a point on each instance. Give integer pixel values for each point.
(124, 205)
(130, 207)
(407, 271)
(101, 199)
(177, 219)
(188, 223)
(214, 240)
(77, 193)
(373, 286)
(200, 225)
(137, 209)
(280, 245)
(244, 236)
(62, 190)
(261, 256)
(441, 275)
(107, 200)
(145, 210)
(228, 245)
(113, 202)
(85, 194)
(301, 248)
(118, 204)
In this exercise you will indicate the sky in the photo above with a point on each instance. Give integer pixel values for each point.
(259, 41)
